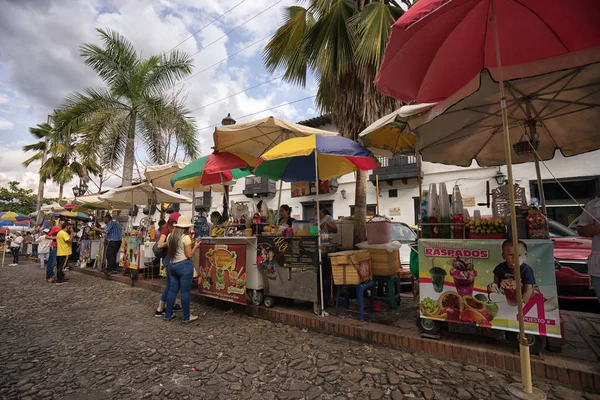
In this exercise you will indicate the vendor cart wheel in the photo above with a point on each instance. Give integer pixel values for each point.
(317, 308)
(257, 297)
(429, 326)
(269, 301)
(536, 343)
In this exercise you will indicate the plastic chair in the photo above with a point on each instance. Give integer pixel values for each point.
(360, 296)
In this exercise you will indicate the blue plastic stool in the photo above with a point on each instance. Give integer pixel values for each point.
(360, 296)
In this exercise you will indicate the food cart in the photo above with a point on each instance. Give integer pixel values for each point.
(291, 268)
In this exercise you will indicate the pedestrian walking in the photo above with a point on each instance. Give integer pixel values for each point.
(166, 229)
(52, 254)
(180, 268)
(15, 248)
(64, 239)
(44, 245)
(113, 233)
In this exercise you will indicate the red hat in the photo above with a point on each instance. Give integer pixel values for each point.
(175, 216)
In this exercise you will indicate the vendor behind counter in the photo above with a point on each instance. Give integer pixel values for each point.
(285, 217)
(326, 224)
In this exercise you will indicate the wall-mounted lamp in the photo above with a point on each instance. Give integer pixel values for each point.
(500, 177)
(343, 193)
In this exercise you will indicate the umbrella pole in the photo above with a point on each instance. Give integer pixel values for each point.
(377, 192)
(319, 234)
(279, 201)
(527, 385)
(532, 129)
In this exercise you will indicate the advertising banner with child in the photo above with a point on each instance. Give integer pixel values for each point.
(472, 282)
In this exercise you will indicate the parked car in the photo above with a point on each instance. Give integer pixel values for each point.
(404, 234)
(571, 251)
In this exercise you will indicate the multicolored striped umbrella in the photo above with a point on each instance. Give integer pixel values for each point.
(294, 159)
(216, 168)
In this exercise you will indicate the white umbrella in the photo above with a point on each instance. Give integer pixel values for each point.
(255, 137)
(94, 201)
(160, 175)
(143, 193)
(555, 111)
(54, 207)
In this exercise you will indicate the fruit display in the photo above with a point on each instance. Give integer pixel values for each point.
(217, 232)
(453, 307)
(537, 225)
(492, 228)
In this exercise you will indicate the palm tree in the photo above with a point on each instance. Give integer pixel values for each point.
(62, 158)
(132, 105)
(342, 43)
(42, 132)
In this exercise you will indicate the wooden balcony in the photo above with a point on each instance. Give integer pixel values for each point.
(258, 186)
(395, 168)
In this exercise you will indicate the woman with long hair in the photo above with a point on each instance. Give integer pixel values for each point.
(165, 229)
(180, 268)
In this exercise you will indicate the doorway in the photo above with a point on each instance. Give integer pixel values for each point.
(308, 208)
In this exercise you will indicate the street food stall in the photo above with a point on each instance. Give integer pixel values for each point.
(291, 267)
(470, 112)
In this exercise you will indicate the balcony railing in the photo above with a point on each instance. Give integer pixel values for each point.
(396, 167)
(258, 186)
(202, 203)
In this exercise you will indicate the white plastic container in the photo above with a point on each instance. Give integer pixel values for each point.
(344, 237)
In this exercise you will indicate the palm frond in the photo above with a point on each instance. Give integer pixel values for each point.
(41, 131)
(372, 28)
(285, 49)
(330, 43)
(39, 146)
(170, 68)
(114, 61)
(33, 158)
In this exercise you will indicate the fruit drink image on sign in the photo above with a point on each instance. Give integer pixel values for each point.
(222, 272)
(130, 252)
(472, 282)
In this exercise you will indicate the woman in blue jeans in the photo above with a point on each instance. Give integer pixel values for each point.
(166, 229)
(180, 268)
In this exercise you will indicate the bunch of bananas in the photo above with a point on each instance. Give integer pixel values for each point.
(486, 225)
(217, 232)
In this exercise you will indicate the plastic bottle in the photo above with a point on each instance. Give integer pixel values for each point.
(444, 210)
(433, 212)
(457, 214)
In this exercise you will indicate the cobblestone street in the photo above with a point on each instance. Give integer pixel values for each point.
(98, 339)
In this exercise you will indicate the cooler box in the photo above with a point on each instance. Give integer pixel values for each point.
(385, 263)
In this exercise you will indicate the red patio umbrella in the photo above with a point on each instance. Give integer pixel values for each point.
(439, 46)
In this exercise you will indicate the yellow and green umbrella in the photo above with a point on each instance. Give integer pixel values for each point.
(213, 169)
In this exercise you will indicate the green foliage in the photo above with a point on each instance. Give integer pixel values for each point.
(133, 105)
(16, 199)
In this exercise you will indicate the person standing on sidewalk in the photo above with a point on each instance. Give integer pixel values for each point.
(64, 238)
(52, 254)
(589, 226)
(166, 229)
(43, 247)
(180, 268)
(15, 248)
(112, 230)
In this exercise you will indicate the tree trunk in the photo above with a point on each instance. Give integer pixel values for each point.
(360, 207)
(128, 158)
(40, 217)
(60, 191)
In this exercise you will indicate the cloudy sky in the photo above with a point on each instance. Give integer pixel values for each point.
(40, 62)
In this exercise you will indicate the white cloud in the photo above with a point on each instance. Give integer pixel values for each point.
(4, 124)
(40, 62)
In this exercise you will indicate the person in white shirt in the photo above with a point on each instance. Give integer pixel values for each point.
(43, 247)
(15, 247)
(589, 226)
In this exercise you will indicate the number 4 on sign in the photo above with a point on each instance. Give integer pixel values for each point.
(537, 301)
